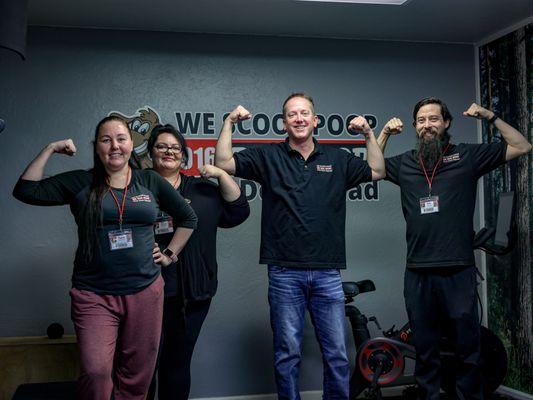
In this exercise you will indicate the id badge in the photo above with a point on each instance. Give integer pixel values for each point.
(163, 225)
(429, 205)
(120, 239)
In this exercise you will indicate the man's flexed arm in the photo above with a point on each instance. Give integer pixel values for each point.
(223, 151)
(517, 145)
(393, 126)
(374, 156)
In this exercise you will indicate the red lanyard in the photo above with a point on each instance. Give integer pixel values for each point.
(430, 181)
(121, 207)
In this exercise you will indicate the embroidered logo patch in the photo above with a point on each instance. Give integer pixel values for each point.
(141, 197)
(450, 158)
(324, 168)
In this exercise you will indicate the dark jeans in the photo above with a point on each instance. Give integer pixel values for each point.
(291, 291)
(178, 338)
(438, 302)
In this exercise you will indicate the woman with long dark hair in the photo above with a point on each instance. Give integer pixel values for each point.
(117, 289)
(192, 281)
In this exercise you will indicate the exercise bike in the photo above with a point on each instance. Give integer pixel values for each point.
(380, 361)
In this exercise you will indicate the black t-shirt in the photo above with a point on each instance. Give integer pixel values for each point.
(122, 271)
(304, 202)
(197, 278)
(444, 238)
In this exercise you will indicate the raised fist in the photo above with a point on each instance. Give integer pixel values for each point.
(360, 125)
(393, 126)
(65, 146)
(476, 111)
(239, 114)
(210, 171)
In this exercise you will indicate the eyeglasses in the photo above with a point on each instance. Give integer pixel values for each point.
(163, 148)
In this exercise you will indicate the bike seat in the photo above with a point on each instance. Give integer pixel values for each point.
(352, 289)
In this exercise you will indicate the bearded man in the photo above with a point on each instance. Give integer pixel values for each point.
(438, 182)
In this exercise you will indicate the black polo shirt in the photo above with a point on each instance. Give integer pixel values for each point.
(304, 202)
(444, 238)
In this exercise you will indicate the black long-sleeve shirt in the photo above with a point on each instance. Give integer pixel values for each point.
(197, 277)
(123, 271)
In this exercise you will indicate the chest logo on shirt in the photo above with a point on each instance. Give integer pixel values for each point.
(451, 158)
(141, 198)
(324, 168)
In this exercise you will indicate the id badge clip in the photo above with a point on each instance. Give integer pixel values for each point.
(164, 225)
(120, 239)
(429, 205)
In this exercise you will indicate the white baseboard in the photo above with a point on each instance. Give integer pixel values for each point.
(387, 392)
(309, 395)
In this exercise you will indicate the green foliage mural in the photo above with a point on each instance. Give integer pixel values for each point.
(506, 74)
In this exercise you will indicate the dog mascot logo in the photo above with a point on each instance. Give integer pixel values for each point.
(141, 125)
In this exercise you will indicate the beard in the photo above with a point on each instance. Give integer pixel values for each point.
(431, 150)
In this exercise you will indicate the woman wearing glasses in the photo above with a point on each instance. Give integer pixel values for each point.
(191, 282)
(117, 289)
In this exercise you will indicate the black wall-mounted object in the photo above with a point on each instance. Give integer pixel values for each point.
(14, 25)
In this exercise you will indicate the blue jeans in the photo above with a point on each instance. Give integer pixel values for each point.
(290, 292)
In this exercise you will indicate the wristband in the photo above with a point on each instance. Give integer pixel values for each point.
(170, 254)
(494, 118)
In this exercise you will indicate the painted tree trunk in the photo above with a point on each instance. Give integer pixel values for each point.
(522, 258)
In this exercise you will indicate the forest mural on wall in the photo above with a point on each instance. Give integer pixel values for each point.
(506, 74)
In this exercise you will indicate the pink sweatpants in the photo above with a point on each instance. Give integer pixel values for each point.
(118, 338)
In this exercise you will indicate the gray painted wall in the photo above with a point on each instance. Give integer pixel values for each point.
(72, 78)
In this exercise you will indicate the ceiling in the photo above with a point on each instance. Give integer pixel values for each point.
(452, 21)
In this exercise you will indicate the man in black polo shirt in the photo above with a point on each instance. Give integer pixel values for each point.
(438, 182)
(302, 234)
